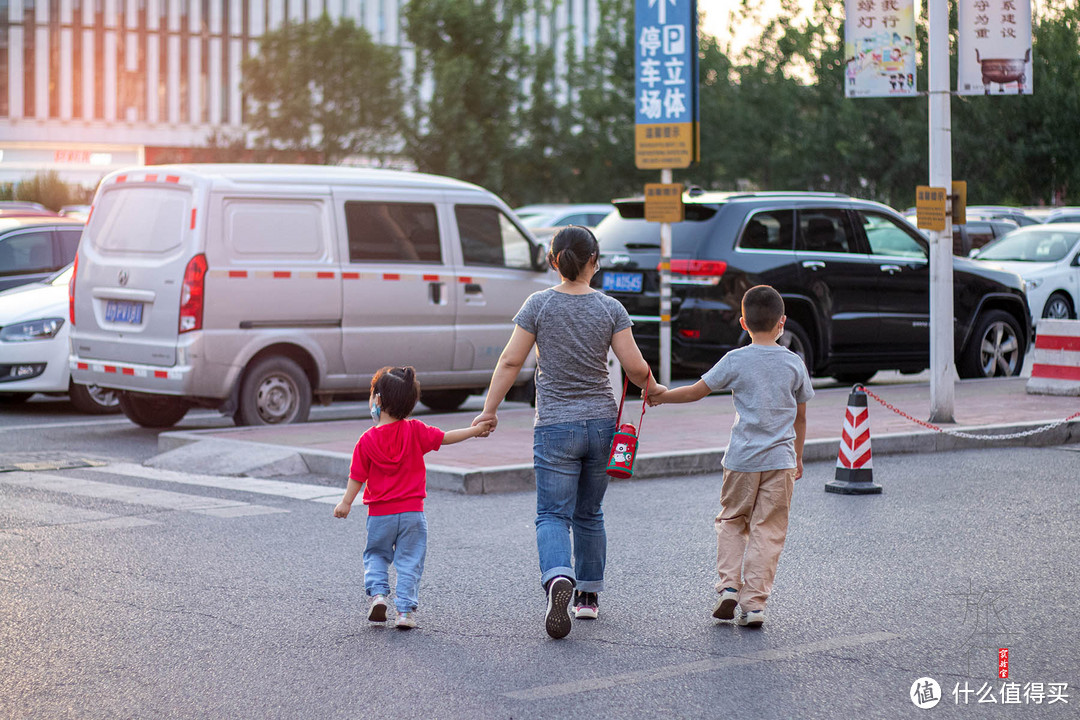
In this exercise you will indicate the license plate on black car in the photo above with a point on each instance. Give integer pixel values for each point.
(122, 311)
(622, 282)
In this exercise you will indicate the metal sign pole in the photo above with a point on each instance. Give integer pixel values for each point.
(665, 293)
(942, 362)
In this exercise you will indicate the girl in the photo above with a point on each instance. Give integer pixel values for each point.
(389, 459)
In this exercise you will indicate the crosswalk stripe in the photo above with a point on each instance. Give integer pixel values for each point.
(46, 513)
(262, 486)
(134, 495)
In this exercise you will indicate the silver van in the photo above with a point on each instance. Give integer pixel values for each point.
(256, 288)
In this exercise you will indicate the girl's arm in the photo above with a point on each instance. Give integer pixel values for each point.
(506, 372)
(685, 394)
(351, 491)
(480, 430)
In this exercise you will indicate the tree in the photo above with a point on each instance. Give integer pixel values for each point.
(325, 87)
(466, 90)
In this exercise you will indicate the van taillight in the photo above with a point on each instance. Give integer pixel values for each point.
(710, 268)
(71, 292)
(191, 295)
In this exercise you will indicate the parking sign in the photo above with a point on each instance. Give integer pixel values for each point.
(666, 84)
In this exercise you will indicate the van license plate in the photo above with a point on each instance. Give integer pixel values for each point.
(622, 282)
(122, 311)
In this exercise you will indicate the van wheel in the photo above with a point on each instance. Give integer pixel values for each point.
(93, 400)
(444, 400)
(995, 349)
(275, 391)
(152, 411)
(797, 341)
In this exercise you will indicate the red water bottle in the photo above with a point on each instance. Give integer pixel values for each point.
(625, 443)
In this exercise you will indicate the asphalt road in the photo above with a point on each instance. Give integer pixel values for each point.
(250, 605)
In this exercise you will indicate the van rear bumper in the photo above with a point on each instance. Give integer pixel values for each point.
(153, 379)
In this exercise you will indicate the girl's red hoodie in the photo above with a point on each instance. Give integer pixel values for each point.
(389, 461)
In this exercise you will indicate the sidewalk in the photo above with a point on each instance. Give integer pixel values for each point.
(675, 440)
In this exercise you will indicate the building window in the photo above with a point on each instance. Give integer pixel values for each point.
(29, 41)
(5, 109)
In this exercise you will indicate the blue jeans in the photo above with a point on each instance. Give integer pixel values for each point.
(570, 460)
(400, 539)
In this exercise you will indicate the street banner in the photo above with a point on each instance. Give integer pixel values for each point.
(879, 48)
(665, 84)
(994, 47)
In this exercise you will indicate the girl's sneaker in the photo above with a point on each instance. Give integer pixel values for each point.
(405, 621)
(586, 605)
(377, 611)
(557, 618)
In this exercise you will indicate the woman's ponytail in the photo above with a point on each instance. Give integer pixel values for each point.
(571, 250)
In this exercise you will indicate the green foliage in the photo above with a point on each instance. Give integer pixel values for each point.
(46, 188)
(325, 87)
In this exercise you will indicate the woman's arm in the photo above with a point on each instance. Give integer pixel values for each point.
(633, 363)
(506, 372)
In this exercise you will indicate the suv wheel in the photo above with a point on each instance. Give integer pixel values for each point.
(444, 400)
(995, 348)
(797, 341)
(275, 391)
(152, 411)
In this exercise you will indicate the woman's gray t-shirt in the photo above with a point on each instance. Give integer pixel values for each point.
(573, 334)
(767, 384)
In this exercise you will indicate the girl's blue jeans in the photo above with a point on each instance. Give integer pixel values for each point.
(570, 460)
(400, 539)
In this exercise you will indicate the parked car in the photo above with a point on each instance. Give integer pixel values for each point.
(973, 234)
(1063, 215)
(34, 347)
(1047, 257)
(854, 275)
(33, 248)
(1001, 212)
(554, 215)
(254, 289)
(79, 212)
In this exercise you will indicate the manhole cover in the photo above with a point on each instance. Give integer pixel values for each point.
(33, 461)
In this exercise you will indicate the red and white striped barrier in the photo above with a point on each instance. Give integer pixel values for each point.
(855, 462)
(1056, 370)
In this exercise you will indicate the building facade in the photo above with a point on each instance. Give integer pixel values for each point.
(88, 86)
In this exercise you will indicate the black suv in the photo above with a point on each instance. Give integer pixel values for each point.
(854, 275)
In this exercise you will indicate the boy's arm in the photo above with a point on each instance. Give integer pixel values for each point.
(800, 437)
(483, 429)
(685, 394)
(351, 491)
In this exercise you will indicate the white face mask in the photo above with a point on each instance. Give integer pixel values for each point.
(781, 333)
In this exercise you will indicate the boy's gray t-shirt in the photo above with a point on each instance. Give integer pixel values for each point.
(573, 335)
(767, 382)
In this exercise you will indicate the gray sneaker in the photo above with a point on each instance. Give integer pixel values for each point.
(377, 611)
(557, 619)
(753, 618)
(405, 620)
(725, 605)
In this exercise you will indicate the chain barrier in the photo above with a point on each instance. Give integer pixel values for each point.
(961, 434)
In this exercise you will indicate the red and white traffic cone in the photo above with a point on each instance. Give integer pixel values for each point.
(854, 462)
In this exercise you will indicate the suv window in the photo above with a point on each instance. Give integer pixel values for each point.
(69, 244)
(392, 232)
(489, 238)
(26, 252)
(825, 230)
(627, 229)
(886, 237)
(770, 230)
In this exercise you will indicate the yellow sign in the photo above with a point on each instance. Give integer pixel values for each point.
(663, 202)
(959, 203)
(930, 207)
(665, 145)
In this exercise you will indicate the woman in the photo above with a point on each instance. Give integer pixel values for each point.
(572, 327)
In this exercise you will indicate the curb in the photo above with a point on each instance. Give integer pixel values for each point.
(519, 478)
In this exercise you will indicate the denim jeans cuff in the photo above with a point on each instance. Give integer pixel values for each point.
(556, 572)
(593, 586)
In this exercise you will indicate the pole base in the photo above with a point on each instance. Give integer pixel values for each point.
(845, 487)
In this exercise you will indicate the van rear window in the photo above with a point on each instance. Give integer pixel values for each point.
(140, 219)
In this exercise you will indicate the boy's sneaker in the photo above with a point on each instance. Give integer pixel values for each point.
(405, 620)
(586, 605)
(754, 618)
(725, 606)
(557, 619)
(377, 611)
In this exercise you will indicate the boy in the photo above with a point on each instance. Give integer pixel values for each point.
(769, 388)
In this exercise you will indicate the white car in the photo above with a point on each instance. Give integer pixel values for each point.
(34, 347)
(1047, 257)
(555, 215)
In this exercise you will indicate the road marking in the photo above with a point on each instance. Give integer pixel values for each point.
(46, 513)
(544, 692)
(280, 488)
(136, 495)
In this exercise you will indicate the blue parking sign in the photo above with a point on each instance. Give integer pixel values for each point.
(666, 83)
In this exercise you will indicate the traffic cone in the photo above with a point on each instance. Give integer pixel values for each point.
(854, 464)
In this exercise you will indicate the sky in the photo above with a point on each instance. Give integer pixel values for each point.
(716, 12)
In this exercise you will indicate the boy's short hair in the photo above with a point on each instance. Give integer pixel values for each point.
(762, 308)
(398, 390)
